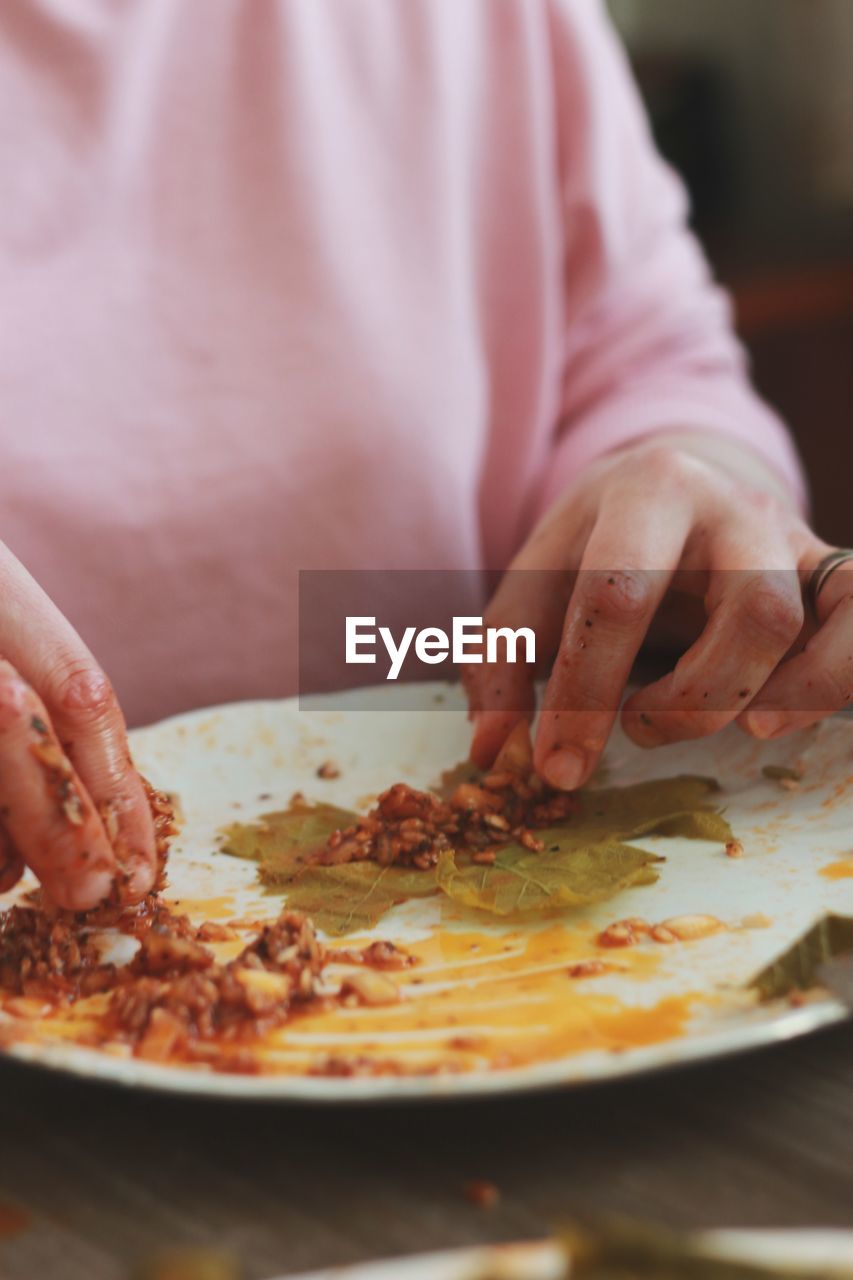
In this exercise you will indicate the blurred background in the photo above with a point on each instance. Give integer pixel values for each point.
(752, 100)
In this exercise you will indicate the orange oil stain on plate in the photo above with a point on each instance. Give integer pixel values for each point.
(839, 792)
(201, 909)
(480, 1001)
(840, 870)
(76, 1023)
(474, 1001)
(523, 1029)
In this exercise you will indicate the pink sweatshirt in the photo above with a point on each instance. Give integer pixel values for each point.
(322, 283)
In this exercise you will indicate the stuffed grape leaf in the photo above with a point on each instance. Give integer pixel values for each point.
(586, 859)
(339, 899)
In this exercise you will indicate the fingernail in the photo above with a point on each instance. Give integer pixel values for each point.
(643, 730)
(565, 768)
(476, 752)
(82, 894)
(139, 877)
(765, 724)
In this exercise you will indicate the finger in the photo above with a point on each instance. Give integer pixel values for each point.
(89, 723)
(533, 594)
(754, 616)
(501, 693)
(46, 651)
(47, 814)
(493, 727)
(11, 863)
(627, 566)
(819, 680)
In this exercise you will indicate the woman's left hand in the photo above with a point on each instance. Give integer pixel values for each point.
(705, 513)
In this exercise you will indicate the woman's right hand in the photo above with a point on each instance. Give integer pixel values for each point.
(72, 806)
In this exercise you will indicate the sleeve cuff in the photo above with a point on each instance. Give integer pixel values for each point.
(738, 414)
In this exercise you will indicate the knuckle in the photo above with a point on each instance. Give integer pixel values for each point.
(774, 614)
(583, 721)
(591, 712)
(684, 725)
(664, 464)
(763, 506)
(622, 597)
(700, 723)
(16, 698)
(80, 690)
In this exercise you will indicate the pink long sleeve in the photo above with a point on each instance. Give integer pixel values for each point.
(648, 337)
(317, 284)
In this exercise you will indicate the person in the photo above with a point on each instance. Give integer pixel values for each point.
(312, 283)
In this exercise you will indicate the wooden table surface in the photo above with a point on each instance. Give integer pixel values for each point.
(107, 1176)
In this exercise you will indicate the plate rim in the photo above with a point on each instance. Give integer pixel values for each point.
(724, 1242)
(129, 1073)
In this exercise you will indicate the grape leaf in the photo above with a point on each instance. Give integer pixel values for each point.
(586, 859)
(642, 1251)
(352, 897)
(564, 875)
(339, 899)
(665, 807)
(284, 841)
(796, 969)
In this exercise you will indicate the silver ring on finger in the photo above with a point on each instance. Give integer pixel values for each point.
(821, 574)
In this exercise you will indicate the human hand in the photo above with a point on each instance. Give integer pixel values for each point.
(693, 511)
(72, 806)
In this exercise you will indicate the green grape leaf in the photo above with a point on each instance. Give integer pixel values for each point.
(284, 841)
(796, 969)
(564, 875)
(586, 859)
(665, 807)
(625, 1250)
(339, 899)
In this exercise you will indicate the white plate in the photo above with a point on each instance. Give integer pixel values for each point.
(516, 1019)
(543, 1261)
